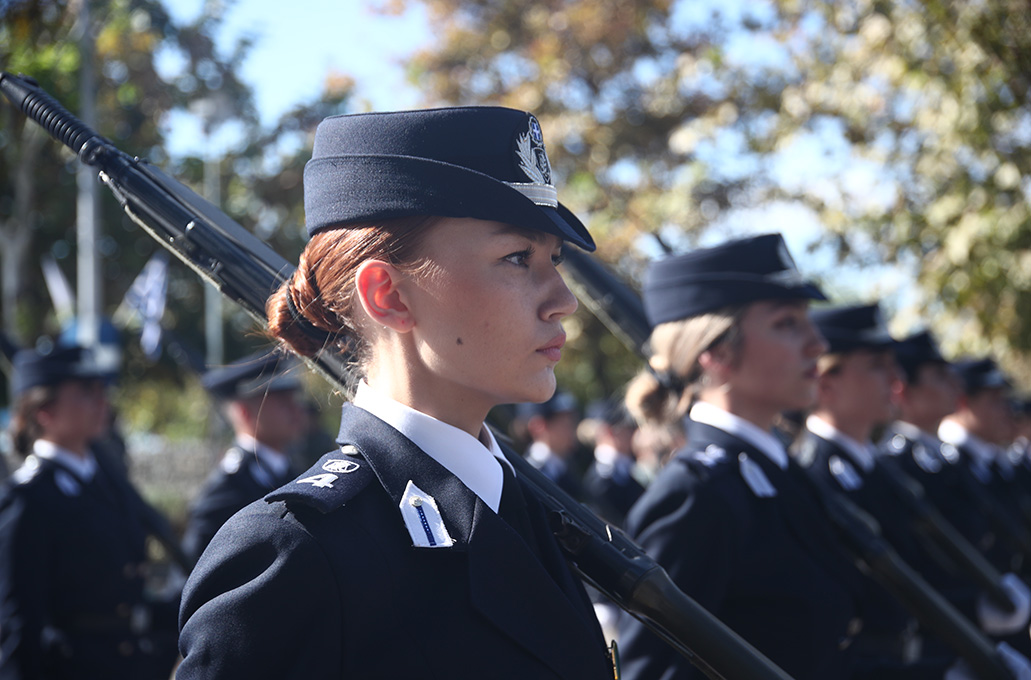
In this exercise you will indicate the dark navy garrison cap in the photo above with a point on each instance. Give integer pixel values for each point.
(49, 365)
(915, 350)
(980, 374)
(252, 376)
(482, 162)
(733, 273)
(851, 328)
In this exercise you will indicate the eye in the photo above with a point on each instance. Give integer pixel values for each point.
(519, 258)
(558, 258)
(786, 321)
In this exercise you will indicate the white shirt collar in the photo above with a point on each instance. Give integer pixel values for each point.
(474, 463)
(914, 433)
(83, 468)
(276, 462)
(709, 414)
(953, 433)
(860, 454)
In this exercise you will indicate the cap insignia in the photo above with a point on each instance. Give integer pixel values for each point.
(532, 159)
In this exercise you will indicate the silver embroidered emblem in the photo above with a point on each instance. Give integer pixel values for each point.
(533, 159)
(341, 466)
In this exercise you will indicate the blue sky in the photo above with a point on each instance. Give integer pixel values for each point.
(297, 44)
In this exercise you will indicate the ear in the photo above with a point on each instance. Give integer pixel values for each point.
(377, 283)
(716, 362)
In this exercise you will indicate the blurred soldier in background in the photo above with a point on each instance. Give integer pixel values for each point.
(610, 484)
(259, 397)
(73, 561)
(551, 427)
(980, 429)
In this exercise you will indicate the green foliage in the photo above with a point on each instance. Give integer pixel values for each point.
(668, 116)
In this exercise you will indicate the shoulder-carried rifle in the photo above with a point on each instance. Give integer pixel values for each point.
(620, 308)
(246, 270)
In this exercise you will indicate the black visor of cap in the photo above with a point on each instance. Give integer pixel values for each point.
(31, 368)
(851, 328)
(486, 163)
(734, 273)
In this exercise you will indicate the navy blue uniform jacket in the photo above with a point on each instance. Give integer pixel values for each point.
(324, 582)
(766, 566)
(238, 481)
(71, 577)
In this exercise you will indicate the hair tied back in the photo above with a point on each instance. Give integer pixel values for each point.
(307, 327)
(668, 381)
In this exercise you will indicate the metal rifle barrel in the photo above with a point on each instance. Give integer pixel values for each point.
(621, 570)
(933, 611)
(241, 267)
(928, 521)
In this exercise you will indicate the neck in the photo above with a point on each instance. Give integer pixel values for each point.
(861, 432)
(760, 415)
(452, 406)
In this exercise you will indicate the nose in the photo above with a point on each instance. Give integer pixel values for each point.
(816, 344)
(560, 301)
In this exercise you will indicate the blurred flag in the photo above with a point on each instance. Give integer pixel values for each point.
(146, 298)
(60, 291)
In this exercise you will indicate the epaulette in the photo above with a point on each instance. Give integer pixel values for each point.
(337, 478)
(27, 471)
(710, 456)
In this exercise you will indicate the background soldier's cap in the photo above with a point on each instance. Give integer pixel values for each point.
(253, 375)
(482, 162)
(560, 402)
(733, 273)
(914, 351)
(980, 374)
(50, 364)
(851, 328)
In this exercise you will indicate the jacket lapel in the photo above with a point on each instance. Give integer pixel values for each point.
(508, 585)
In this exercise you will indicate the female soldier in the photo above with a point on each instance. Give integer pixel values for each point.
(412, 551)
(732, 348)
(72, 539)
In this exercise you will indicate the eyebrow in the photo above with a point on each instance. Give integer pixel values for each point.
(534, 235)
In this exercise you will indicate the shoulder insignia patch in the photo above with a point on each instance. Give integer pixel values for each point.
(755, 478)
(710, 455)
(329, 484)
(844, 473)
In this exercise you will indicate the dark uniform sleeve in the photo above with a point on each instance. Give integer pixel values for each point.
(690, 530)
(262, 603)
(29, 646)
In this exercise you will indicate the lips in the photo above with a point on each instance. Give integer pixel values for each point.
(553, 350)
